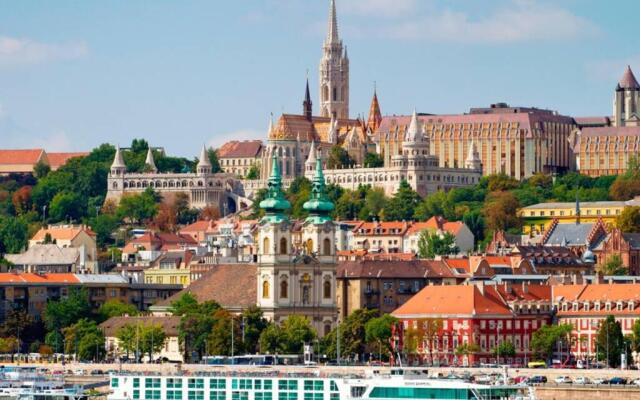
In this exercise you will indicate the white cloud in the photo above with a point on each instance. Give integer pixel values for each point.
(611, 70)
(241, 134)
(24, 51)
(518, 21)
(377, 8)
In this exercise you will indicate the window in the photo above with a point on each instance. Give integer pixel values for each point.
(152, 383)
(326, 247)
(174, 394)
(114, 382)
(284, 289)
(265, 246)
(265, 289)
(152, 394)
(196, 395)
(196, 383)
(174, 383)
(283, 246)
(217, 384)
(309, 246)
(327, 289)
(136, 382)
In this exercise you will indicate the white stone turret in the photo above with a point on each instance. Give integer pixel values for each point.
(310, 164)
(118, 167)
(149, 162)
(473, 158)
(334, 72)
(204, 165)
(332, 136)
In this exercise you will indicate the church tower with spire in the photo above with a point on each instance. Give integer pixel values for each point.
(307, 106)
(626, 101)
(375, 116)
(334, 72)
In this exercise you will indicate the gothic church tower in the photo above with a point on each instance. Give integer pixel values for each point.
(334, 72)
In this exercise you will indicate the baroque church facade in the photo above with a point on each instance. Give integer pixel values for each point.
(299, 140)
(297, 281)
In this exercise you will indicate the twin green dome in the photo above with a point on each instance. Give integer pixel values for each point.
(276, 204)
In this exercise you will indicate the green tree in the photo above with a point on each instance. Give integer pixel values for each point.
(213, 159)
(373, 160)
(127, 336)
(272, 339)
(66, 205)
(403, 204)
(374, 202)
(84, 339)
(431, 244)
(13, 235)
(635, 336)
(137, 208)
(254, 323)
(614, 266)
(16, 323)
(288, 338)
(185, 304)
(339, 158)
(104, 225)
(352, 334)
(500, 211)
(504, 349)
(253, 173)
(378, 331)
(629, 220)
(349, 205)
(55, 340)
(220, 338)
(466, 349)
(41, 169)
(151, 339)
(116, 308)
(66, 311)
(610, 341)
(546, 338)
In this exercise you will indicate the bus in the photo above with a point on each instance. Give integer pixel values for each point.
(255, 359)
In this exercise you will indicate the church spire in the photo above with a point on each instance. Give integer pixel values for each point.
(375, 116)
(204, 165)
(118, 164)
(332, 32)
(318, 205)
(275, 204)
(307, 109)
(413, 130)
(149, 162)
(473, 158)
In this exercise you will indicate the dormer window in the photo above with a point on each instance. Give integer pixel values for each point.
(564, 307)
(585, 306)
(619, 306)
(596, 307)
(575, 307)
(607, 306)
(631, 305)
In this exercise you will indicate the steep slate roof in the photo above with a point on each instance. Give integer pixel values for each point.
(169, 324)
(45, 254)
(633, 239)
(457, 300)
(549, 255)
(570, 234)
(418, 269)
(628, 80)
(233, 286)
(238, 149)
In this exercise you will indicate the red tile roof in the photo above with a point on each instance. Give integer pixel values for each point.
(381, 228)
(453, 300)
(23, 156)
(62, 232)
(436, 223)
(9, 278)
(393, 269)
(600, 293)
(57, 160)
(240, 149)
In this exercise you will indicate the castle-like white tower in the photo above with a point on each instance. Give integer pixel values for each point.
(334, 72)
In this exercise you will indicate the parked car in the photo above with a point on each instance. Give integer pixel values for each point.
(617, 381)
(582, 380)
(563, 379)
(598, 381)
(538, 379)
(521, 380)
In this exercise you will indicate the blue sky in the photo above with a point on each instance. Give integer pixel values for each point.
(74, 74)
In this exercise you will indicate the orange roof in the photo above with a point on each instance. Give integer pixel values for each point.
(57, 160)
(602, 293)
(452, 300)
(381, 228)
(9, 277)
(436, 223)
(498, 260)
(458, 264)
(199, 226)
(240, 149)
(62, 232)
(23, 156)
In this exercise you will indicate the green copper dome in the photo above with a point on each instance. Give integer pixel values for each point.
(275, 204)
(319, 205)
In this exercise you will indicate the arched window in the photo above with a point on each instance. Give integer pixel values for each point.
(284, 290)
(265, 289)
(265, 246)
(283, 246)
(115, 185)
(326, 247)
(326, 290)
(327, 329)
(309, 246)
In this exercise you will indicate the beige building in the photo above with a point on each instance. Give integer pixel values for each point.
(79, 237)
(237, 157)
(464, 239)
(169, 324)
(517, 141)
(24, 160)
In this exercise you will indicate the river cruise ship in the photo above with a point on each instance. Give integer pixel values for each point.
(279, 384)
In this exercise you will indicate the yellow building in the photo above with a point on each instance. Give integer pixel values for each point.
(538, 217)
(170, 268)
